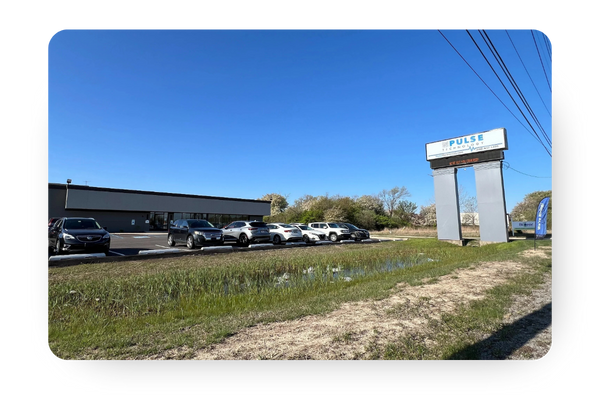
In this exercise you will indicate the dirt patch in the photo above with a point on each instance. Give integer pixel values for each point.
(349, 332)
(540, 251)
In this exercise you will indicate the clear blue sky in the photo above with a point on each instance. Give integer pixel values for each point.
(244, 113)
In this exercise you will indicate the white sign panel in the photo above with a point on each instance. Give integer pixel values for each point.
(523, 224)
(475, 143)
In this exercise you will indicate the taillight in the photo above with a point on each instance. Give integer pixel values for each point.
(252, 229)
(287, 230)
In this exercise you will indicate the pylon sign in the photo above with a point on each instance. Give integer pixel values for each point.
(485, 152)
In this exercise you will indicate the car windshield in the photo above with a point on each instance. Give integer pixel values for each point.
(304, 227)
(334, 226)
(200, 224)
(351, 226)
(257, 224)
(81, 224)
(286, 226)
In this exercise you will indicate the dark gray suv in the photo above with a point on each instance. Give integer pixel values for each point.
(245, 232)
(194, 233)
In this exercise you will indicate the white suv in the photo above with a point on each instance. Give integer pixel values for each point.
(334, 231)
(245, 233)
(309, 234)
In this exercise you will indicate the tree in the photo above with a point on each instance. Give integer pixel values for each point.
(526, 210)
(372, 203)
(468, 205)
(366, 219)
(334, 214)
(278, 202)
(427, 215)
(391, 198)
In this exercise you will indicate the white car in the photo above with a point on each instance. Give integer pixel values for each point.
(310, 235)
(334, 231)
(284, 233)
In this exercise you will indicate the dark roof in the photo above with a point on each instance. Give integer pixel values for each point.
(98, 189)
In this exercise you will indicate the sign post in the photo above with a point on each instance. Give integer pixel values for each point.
(484, 151)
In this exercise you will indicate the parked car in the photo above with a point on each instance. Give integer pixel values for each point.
(246, 232)
(284, 233)
(355, 232)
(71, 234)
(309, 234)
(333, 231)
(194, 233)
(51, 221)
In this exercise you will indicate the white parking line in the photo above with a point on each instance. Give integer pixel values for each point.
(164, 247)
(112, 251)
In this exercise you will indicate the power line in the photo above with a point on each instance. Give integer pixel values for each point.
(486, 85)
(541, 62)
(513, 82)
(507, 166)
(527, 71)
(510, 95)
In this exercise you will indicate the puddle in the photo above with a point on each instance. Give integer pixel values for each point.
(314, 275)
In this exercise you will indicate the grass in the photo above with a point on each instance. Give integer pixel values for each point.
(459, 335)
(423, 231)
(138, 309)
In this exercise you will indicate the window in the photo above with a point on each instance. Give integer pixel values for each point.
(200, 224)
(258, 224)
(81, 224)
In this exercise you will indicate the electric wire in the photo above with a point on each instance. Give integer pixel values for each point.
(486, 85)
(509, 94)
(513, 82)
(507, 166)
(541, 62)
(527, 71)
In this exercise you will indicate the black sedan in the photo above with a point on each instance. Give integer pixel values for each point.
(194, 233)
(71, 234)
(355, 232)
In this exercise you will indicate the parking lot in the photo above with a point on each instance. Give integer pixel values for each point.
(151, 244)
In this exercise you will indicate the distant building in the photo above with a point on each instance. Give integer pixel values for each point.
(469, 219)
(121, 210)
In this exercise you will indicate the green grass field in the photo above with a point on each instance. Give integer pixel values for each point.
(137, 309)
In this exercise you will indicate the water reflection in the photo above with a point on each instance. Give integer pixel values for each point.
(315, 275)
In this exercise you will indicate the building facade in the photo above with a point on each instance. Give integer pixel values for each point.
(121, 210)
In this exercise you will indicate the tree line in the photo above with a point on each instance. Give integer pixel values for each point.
(387, 209)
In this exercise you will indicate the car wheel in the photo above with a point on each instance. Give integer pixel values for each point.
(244, 240)
(170, 241)
(333, 237)
(106, 252)
(306, 239)
(276, 239)
(58, 247)
(190, 242)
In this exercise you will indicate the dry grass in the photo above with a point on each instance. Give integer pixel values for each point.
(424, 231)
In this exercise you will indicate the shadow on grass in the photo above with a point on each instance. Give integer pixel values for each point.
(510, 338)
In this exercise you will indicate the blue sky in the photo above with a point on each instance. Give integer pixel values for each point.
(241, 114)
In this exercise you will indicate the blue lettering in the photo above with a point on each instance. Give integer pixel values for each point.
(459, 141)
(451, 142)
(472, 139)
(481, 138)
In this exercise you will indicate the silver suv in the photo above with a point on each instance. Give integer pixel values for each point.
(334, 231)
(245, 232)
